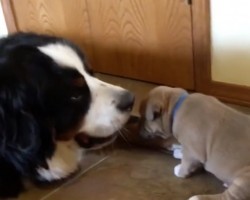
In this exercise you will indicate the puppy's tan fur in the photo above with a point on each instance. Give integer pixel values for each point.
(212, 135)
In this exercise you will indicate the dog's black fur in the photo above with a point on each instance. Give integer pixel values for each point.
(35, 106)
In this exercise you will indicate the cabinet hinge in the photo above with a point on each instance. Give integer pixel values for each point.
(189, 2)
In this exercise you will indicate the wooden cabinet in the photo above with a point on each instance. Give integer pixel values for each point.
(143, 39)
(149, 40)
(160, 41)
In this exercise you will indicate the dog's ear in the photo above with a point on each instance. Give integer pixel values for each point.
(154, 110)
(21, 137)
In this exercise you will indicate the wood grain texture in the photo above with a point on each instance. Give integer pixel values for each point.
(141, 39)
(202, 43)
(202, 58)
(68, 19)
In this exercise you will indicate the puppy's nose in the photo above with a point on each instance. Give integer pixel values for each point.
(126, 101)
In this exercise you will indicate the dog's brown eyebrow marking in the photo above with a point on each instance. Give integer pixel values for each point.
(80, 81)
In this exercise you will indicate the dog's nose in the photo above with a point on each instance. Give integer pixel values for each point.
(126, 101)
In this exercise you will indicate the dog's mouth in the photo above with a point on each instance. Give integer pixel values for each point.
(90, 142)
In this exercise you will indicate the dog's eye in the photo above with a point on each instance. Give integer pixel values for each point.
(76, 98)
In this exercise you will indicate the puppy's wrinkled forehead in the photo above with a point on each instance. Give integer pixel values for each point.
(153, 102)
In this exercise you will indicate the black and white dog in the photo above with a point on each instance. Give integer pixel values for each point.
(51, 108)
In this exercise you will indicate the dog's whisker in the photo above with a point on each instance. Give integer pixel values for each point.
(113, 147)
(125, 133)
(122, 135)
(125, 130)
(124, 138)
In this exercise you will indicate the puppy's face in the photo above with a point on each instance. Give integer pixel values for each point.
(155, 114)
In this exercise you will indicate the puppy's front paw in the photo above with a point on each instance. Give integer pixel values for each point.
(172, 147)
(177, 153)
(195, 198)
(180, 172)
(225, 185)
(177, 169)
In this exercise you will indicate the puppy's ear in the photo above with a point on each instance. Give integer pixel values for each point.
(153, 111)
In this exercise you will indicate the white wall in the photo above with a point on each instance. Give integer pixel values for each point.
(230, 26)
(3, 28)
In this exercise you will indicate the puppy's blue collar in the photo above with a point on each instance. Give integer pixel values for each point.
(176, 108)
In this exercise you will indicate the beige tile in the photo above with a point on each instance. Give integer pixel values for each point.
(134, 174)
(243, 109)
(41, 193)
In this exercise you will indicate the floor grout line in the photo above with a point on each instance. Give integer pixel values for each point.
(73, 179)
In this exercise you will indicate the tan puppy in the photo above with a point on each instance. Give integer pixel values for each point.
(212, 135)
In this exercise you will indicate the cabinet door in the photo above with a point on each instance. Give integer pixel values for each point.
(142, 39)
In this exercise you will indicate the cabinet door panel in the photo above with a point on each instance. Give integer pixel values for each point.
(66, 18)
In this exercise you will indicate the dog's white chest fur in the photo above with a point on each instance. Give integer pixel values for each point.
(64, 162)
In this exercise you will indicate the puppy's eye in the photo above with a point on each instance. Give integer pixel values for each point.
(76, 98)
(157, 114)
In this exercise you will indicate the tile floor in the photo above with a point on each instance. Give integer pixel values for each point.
(127, 172)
